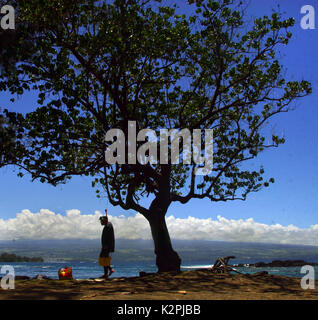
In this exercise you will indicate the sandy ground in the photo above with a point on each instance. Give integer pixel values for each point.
(188, 285)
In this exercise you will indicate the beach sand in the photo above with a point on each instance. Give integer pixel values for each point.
(187, 285)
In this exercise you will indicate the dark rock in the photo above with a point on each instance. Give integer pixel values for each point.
(280, 263)
(41, 277)
(22, 278)
(261, 273)
(259, 264)
(144, 274)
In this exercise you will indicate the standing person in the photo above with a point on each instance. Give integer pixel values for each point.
(108, 245)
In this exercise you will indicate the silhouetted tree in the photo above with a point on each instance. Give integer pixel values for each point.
(99, 64)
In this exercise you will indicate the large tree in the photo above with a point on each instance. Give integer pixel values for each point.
(97, 65)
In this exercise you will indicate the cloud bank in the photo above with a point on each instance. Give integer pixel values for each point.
(73, 225)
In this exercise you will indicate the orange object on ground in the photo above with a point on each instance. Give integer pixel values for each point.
(65, 273)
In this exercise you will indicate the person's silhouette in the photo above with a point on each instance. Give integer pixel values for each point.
(108, 245)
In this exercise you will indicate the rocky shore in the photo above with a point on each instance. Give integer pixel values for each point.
(278, 263)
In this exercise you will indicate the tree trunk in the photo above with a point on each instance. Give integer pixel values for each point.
(166, 258)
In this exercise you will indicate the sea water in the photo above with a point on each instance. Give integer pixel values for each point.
(80, 269)
(86, 270)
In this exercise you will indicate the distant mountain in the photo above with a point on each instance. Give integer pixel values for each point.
(196, 251)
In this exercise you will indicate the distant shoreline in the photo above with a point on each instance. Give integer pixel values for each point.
(134, 251)
(11, 257)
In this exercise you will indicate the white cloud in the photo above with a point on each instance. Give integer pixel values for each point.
(49, 225)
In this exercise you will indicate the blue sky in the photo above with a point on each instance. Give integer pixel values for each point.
(292, 199)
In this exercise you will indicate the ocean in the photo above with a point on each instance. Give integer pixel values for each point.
(86, 270)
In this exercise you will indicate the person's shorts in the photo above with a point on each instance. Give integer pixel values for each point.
(104, 258)
(104, 261)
